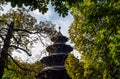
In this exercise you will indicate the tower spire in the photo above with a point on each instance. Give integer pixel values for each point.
(59, 29)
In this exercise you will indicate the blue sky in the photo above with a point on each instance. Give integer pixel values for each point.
(52, 16)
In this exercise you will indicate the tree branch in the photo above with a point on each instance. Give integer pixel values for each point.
(16, 47)
(19, 65)
(3, 29)
(41, 40)
(24, 30)
(17, 40)
(16, 63)
(2, 37)
(4, 22)
(43, 35)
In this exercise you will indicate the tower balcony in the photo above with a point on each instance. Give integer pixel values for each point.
(54, 60)
(56, 48)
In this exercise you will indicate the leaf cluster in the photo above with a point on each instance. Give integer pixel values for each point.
(59, 5)
(74, 67)
(95, 33)
(15, 72)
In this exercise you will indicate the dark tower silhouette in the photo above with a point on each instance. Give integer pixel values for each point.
(54, 63)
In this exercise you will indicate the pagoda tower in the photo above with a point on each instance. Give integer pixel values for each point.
(54, 62)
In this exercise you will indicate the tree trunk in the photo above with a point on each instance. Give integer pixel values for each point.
(4, 52)
(2, 66)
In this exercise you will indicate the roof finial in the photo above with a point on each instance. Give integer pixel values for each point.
(59, 28)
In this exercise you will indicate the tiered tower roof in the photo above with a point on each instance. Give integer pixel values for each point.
(54, 63)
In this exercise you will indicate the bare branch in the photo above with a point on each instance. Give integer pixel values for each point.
(16, 47)
(43, 35)
(41, 40)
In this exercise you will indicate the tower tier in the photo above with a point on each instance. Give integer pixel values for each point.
(54, 60)
(59, 38)
(58, 48)
(54, 74)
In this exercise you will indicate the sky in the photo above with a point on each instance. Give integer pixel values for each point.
(52, 16)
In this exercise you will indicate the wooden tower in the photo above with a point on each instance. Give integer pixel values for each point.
(54, 63)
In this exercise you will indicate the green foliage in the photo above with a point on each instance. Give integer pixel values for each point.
(24, 26)
(74, 68)
(59, 5)
(96, 35)
(16, 31)
(15, 72)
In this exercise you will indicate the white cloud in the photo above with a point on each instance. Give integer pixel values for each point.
(39, 16)
(54, 17)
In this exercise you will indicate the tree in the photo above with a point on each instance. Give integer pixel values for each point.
(16, 28)
(12, 71)
(74, 68)
(41, 5)
(96, 33)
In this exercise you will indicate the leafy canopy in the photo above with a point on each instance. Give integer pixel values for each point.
(15, 72)
(24, 26)
(74, 67)
(16, 28)
(59, 5)
(96, 35)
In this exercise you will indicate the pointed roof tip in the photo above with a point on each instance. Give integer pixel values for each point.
(59, 29)
(59, 38)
